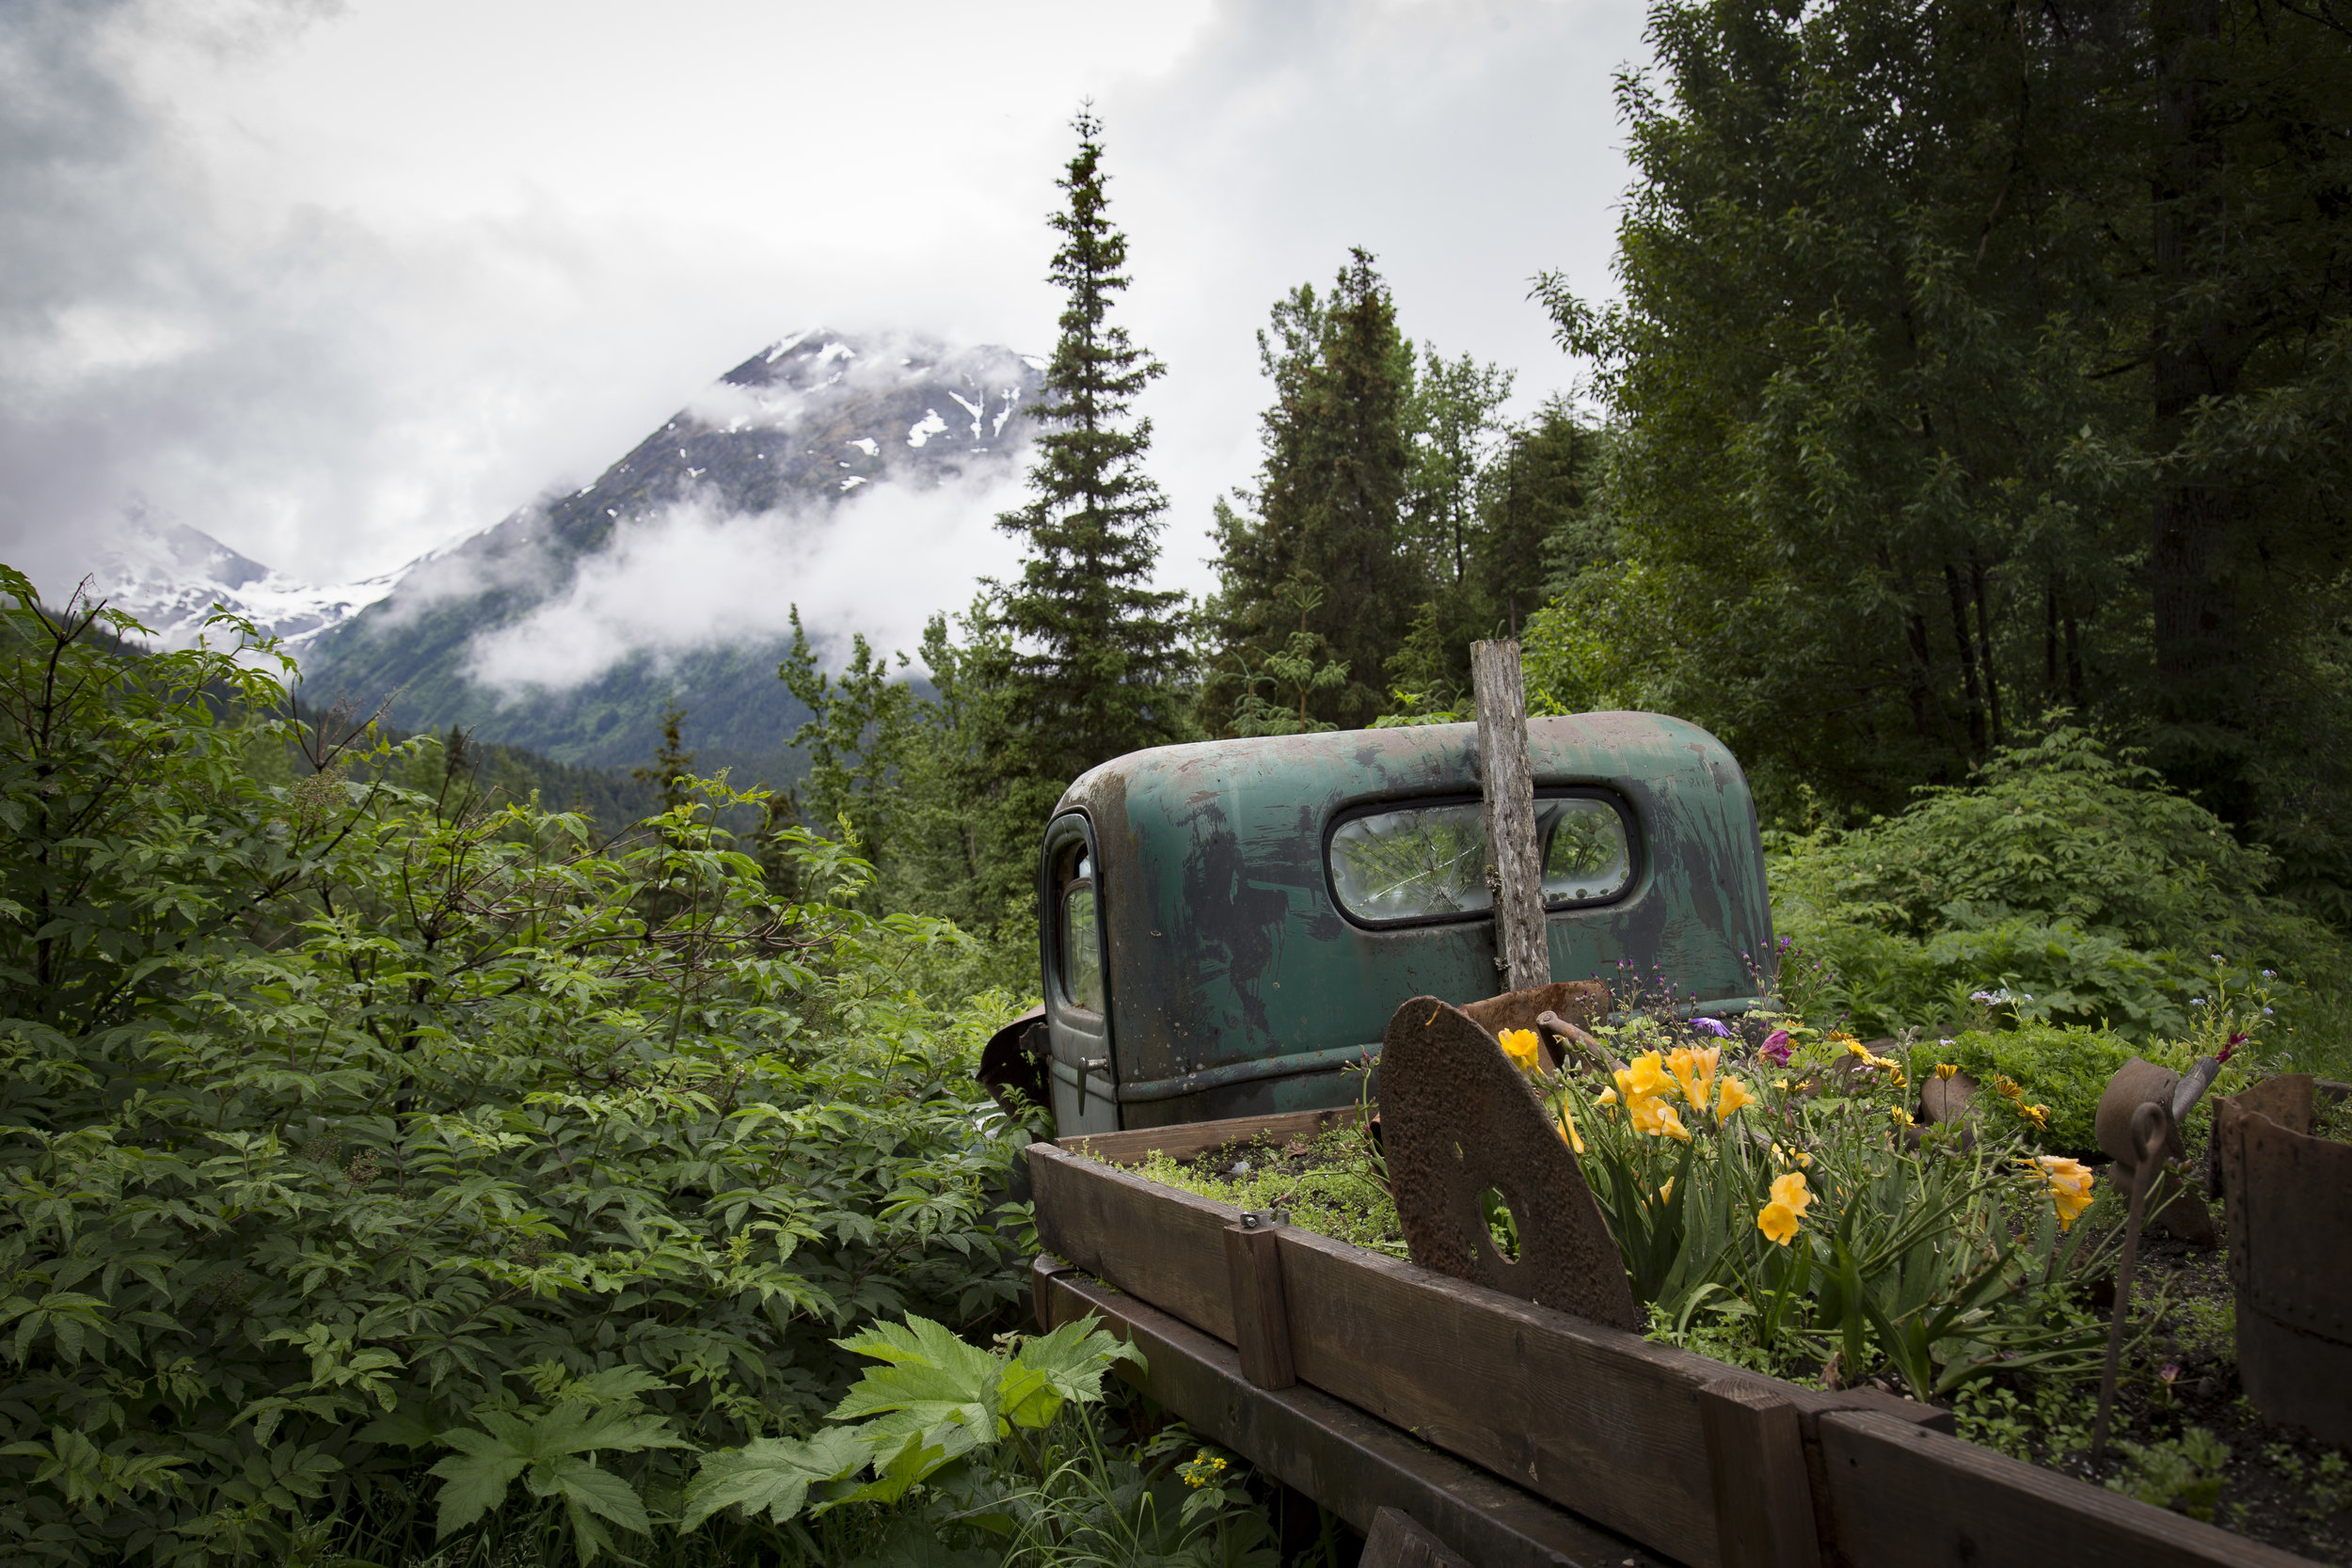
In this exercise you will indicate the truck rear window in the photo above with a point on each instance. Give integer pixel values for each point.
(1429, 863)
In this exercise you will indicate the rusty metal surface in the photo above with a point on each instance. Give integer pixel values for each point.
(1228, 954)
(1458, 1119)
(2289, 1198)
(2175, 1207)
(1580, 1003)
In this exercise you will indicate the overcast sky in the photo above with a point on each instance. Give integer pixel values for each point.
(339, 284)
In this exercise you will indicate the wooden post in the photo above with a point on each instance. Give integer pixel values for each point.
(1262, 1323)
(1763, 1497)
(1523, 951)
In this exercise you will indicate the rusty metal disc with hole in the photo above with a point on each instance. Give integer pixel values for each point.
(1460, 1120)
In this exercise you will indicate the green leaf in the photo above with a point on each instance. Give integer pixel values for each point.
(772, 1473)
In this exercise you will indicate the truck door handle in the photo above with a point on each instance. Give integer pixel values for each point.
(1092, 1062)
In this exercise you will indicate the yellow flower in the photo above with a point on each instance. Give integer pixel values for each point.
(1608, 1096)
(1204, 1471)
(1946, 1069)
(1855, 1048)
(2070, 1181)
(1839, 1036)
(1520, 1045)
(1643, 1079)
(1903, 1118)
(1778, 1221)
(1789, 1191)
(1670, 1124)
(1667, 1191)
(1567, 1129)
(1781, 1085)
(2008, 1087)
(1731, 1097)
(1694, 1070)
(2037, 1115)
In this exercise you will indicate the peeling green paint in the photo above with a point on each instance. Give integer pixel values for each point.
(1235, 984)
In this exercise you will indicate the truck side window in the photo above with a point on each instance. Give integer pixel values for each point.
(1081, 942)
(1585, 854)
(1429, 863)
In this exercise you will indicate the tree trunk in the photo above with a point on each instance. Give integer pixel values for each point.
(1524, 947)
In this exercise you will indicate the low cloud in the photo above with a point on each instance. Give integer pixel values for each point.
(698, 575)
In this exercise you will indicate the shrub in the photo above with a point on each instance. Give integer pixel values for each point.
(337, 1115)
(2064, 873)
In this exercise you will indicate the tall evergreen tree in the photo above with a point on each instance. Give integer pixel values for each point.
(1977, 359)
(1099, 653)
(1336, 469)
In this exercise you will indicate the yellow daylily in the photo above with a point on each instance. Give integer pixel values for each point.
(1520, 1045)
(1607, 1097)
(1790, 1191)
(1693, 1069)
(1567, 1129)
(1644, 1078)
(1778, 1221)
(2069, 1182)
(1670, 1124)
(1731, 1097)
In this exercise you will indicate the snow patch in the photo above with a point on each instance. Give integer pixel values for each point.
(788, 345)
(931, 424)
(867, 445)
(975, 409)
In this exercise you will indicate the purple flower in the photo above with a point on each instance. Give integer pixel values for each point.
(1776, 1048)
(1713, 1026)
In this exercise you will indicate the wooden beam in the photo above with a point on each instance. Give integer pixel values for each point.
(1507, 783)
(1261, 1324)
(1397, 1541)
(1763, 1497)
(1163, 1244)
(1901, 1494)
(1187, 1139)
(1346, 1461)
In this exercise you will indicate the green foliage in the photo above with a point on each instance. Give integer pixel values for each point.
(1809, 1226)
(1338, 1189)
(1973, 362)
(2063, 1069)
(2184, 1472)
(1098, 654)
(2066, 878)
(337, 1116)
(1338, 461)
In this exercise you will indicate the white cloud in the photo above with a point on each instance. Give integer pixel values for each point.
(880, 562)
(339, 288)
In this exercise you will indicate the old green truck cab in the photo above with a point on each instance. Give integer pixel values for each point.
(1226, 926)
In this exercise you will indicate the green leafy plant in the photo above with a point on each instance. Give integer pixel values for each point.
(344, 1108)
(2184, 1472)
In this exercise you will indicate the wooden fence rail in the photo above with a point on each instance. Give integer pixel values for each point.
(1704, 1462)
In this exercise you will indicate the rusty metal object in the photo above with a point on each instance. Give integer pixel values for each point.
(1945, 1099)
(1457, 1119)
(2176, 1208)
(1580, 1000)
(1012, 1064)
(2290, 1207)
(2150, 1125)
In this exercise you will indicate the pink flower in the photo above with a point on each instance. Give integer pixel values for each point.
(1776, 1048)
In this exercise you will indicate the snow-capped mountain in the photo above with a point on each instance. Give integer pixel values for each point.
(543, 630)
(551, 630)
(170, 577)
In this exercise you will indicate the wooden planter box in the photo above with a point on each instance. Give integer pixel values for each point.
(1323, 1363)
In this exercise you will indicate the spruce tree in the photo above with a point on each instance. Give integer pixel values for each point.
(1098, 654)
(1337, 463)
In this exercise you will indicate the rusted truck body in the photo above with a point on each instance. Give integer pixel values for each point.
(1225, 928)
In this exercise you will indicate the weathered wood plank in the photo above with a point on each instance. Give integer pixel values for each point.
(1900, 1494)
(1261, 1324)
(1596, 1419)
(1345, 1460)
(1396, 1540)
(1187, 1139)
(1507, 787)
(1763, 1499)
(1162, 1244)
